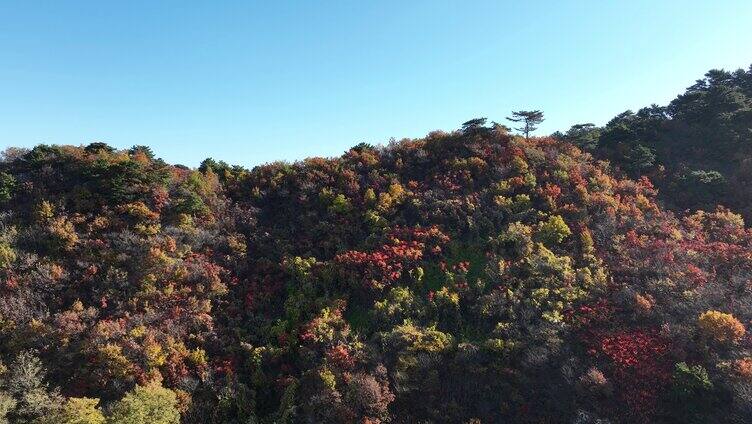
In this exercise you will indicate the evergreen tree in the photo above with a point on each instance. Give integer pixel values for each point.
(530, 119)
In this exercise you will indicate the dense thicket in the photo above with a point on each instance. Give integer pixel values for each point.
(465, 277)
(697, 150)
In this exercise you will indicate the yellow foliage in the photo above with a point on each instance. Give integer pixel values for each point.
(139, 211)
(422, 339)
(385, 202)
(44, 211)
(519, 165)
(721, 327)
(586, 241)
(37, 326)
(370, 196)
(328, 378)
(396, 191)
(138, 332)
(63, 232)
(185, 221)
(112, 356)
(7, 255)
(553, 231)
(99, 223)
(237, 244)
(447, 297)
(80, 411)
(496, 345)
(155, 356)
(147, 229)
(77, 306)
(197, 357)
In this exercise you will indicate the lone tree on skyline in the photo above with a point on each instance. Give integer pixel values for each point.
(531, 118)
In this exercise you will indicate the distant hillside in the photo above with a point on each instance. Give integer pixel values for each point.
(466, 277)
(697, 150)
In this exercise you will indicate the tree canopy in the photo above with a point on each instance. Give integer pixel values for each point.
(696, 150)
(469, 276)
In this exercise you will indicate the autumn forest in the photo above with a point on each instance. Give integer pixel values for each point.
(488, 274)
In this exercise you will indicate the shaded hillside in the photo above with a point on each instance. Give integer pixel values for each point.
(697, 150)
(464, 277)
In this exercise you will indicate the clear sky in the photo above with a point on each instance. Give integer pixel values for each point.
(254, 81)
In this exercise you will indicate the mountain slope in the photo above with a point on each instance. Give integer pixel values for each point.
(696, 149)
(463, 277)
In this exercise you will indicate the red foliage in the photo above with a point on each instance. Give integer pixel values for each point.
(260, 291)
(225, 366)
(698, 276)
(10, 282)
(405, 247)
(340, 356)
(598, 312)
(552, 190)
(641, 365)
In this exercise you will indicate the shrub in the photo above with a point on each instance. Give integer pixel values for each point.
(690, 381)
(743, 368)
(369, 396)
(418, 339)
(553, 231)
(595, 383)
(7, 186)
(146, 404)
(7, 255)
(80, 411)
(692, 391)
(721, 327)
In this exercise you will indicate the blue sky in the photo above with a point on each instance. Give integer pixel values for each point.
(250, 82)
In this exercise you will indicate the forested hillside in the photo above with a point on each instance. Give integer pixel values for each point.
(697, 149)
(465, 277)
